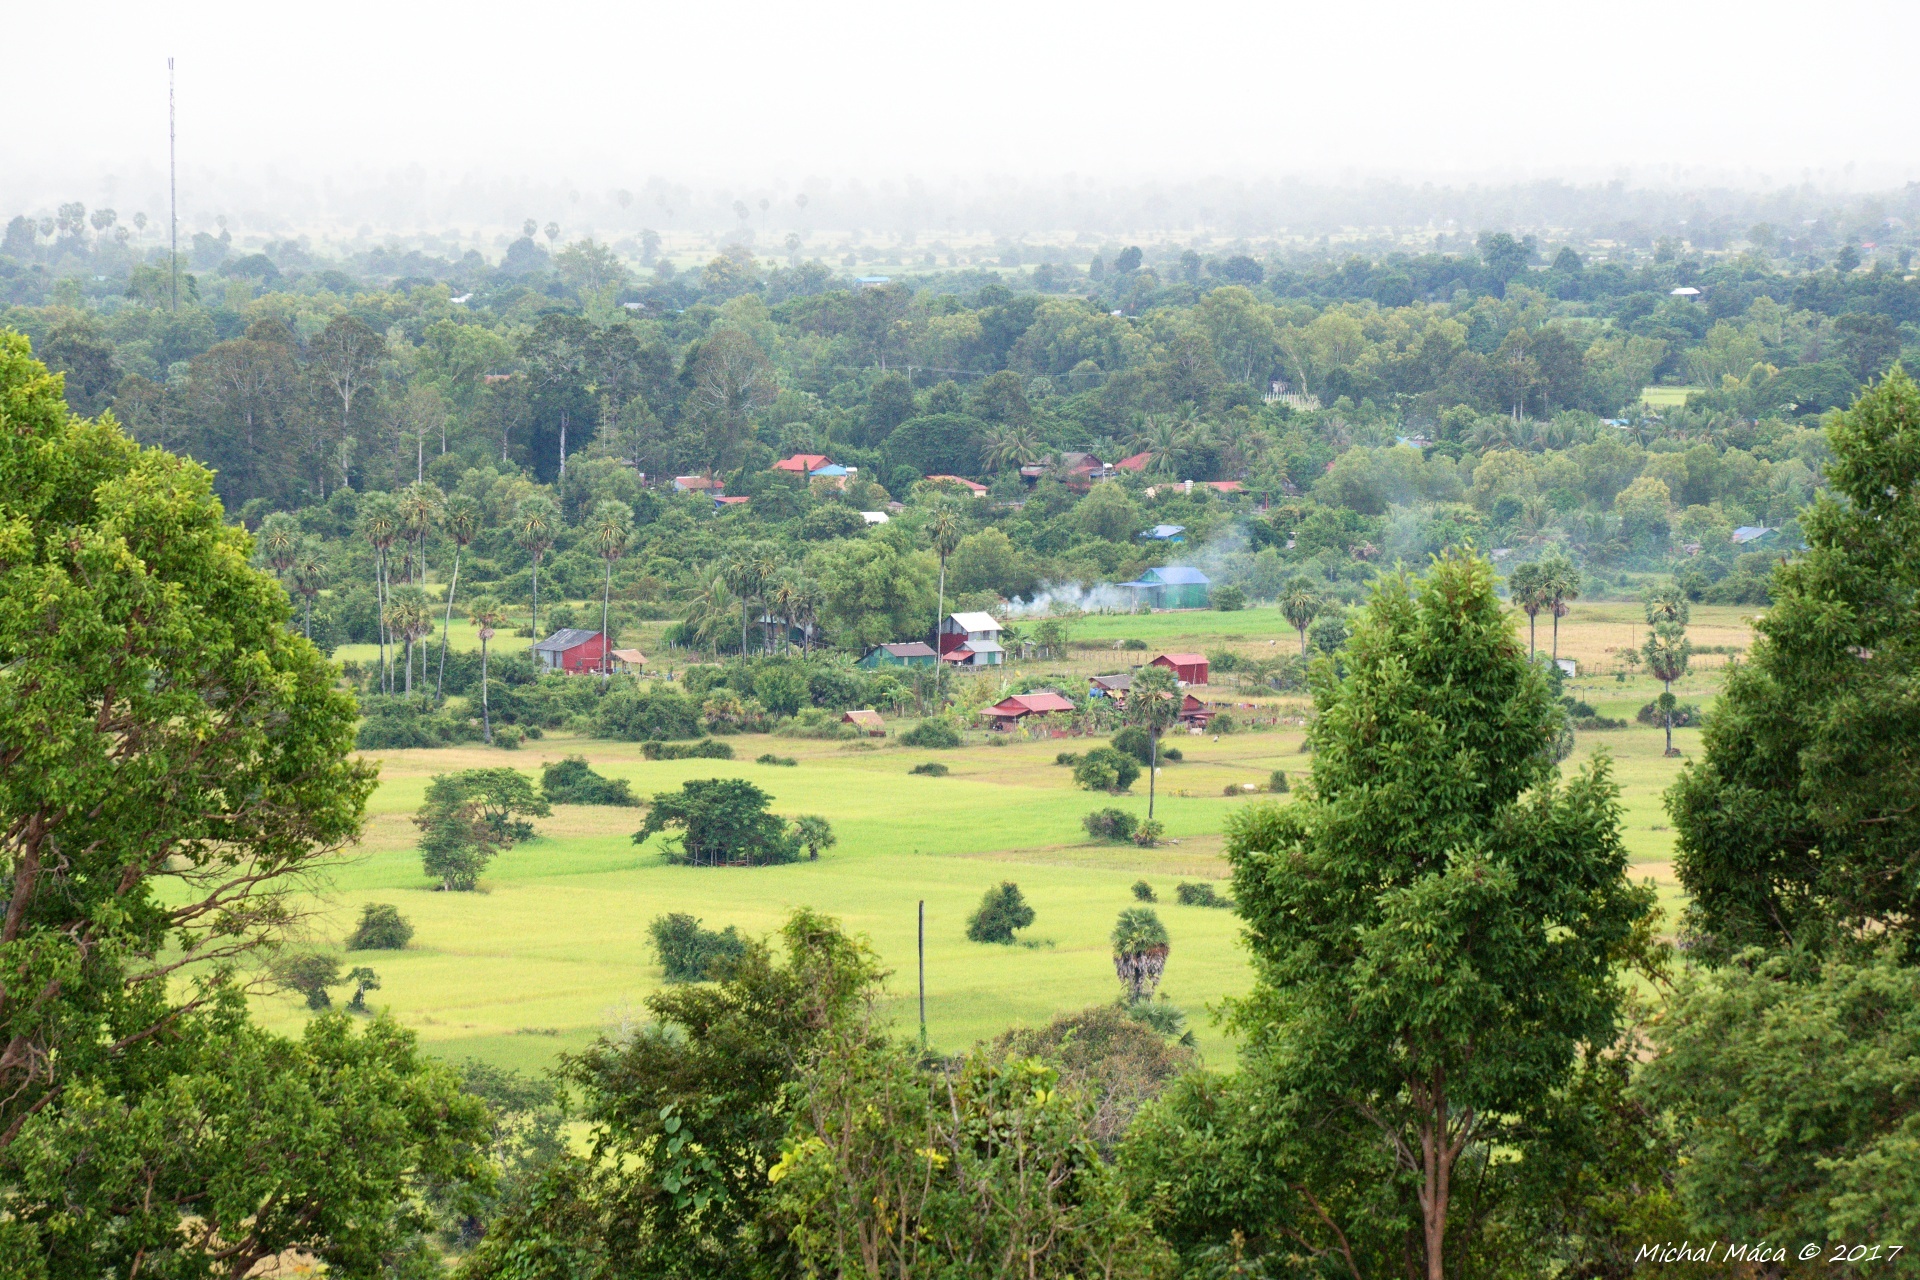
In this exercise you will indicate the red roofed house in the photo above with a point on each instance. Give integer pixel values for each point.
(571, 650)
(1138, 462)
(1187, 668)
(977, 490)
(801, 463)
(1021, 705)
(866, 720)
(971, 640)
(698, 484)
(1194, 713)
(1226, 486)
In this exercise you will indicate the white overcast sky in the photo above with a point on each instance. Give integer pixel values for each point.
(608, 94)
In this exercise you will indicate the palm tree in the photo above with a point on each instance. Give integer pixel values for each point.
(767, 567)
(1667, 649)
(743, 579)
(609, 531)
(1300, 604)
(1168, 440)
(461, 516)
(780, 607)
(1140, 949)
(1561, 585)
(278, 540)
(418, 506)
(708, 611)
(1527, 587)
(1009, 445)
(805, 602)
(536, 523)
(380, 525)
(309, 570)
(1153, 703)
(486, 614)
(409, 617)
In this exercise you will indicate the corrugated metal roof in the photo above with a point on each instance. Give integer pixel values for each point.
(912, 649)
(976, 621)
(1176, 575)
(561, 641)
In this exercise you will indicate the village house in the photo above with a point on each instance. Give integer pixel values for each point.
(571, 650)
(1011, 710)
(1114, 686)
(867, 720)
(802, 464)
(1173, 586)
(971, 640)
(910, 654)
(1187, 668)
(1166, 533)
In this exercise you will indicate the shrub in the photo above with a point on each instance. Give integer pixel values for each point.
(1133, 644)
(770, 758)
(1684, 713)
(506, 737)
(1170, 753)
(1002, 910)
(1068, 758)
(816, 722)
(1143, 892)
(1149, 833)
(689, 953)
(1136, 742)
(646, 713)
(1107, 1054)
(932, 769)
(573, 781)
(1112, 824)
(1200, 894)
(398, 723)
(1277, 782)
(1224, 723)
(1228, 599)
(705, 749)
(381, 928)
(932, 732)
(1104, 769)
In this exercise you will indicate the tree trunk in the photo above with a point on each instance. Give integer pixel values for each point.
(535, 625)
(486, 714)
(1153, 767)
(446, 626)
(606, 657)
(1556, 634)
(1532, 648)
(409, 664)
(306, 623)
(380, 601)
(563, 450)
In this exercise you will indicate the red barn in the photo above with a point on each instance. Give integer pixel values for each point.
(1187, 668)
(571, 650)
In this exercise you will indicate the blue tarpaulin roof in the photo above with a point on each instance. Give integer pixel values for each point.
(1175, 575)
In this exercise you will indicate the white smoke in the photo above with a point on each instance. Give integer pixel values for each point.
(1074, 597)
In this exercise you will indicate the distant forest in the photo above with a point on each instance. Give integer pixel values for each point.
(1371, 407)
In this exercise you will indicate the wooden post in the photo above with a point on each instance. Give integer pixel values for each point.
(923, 973)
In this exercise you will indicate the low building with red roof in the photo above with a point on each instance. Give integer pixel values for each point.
(801, 463)
(1019, 706)
(1187, 668)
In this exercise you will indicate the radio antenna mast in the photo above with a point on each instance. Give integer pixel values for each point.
(173, 193)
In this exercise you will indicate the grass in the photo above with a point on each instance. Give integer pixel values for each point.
(1666, 397)
(555, 951)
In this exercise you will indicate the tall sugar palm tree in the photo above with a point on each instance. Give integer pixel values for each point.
(309, 573)
(536, 524)
(1561, 586)
(1153, 703)
(709, 612)
(806, 600)
(1527, 587)
(485, 613)
(768, 567)
(1140, 949)
(1009, 445)
(409, 617)
(1300, 604)
(380, 525)
(609, 530)
(418, 506)
(460, 517)
(279, 541)
(744, 581)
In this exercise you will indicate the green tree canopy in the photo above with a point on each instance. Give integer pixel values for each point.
(721, 822)
(1434, 922)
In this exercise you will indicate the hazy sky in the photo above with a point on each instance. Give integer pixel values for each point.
(606, 95)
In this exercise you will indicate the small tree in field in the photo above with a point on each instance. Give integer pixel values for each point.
(1002, 910)
(363, 980)
(721, 822)
(310, 973)
(381, 928)
(1667, 649)
(814, 833)
(456, 843)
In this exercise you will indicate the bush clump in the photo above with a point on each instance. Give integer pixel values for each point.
(1001, 911)
(1104, 769)
(1136, 742)
(381, 928)
(1228, 599)
(935, 733)
(720, 822)
(1684, 713)
(787, 762)
(398, 723)
(1277, 782)
(1116, 825)
(1068, 758)
(1200, 893)
(1143, 892)
(931, 769)
(647, 713)
(573, 781)
(1149, 833)
(690, 953)
(705, 749)
(817, 722)
(1134, 643)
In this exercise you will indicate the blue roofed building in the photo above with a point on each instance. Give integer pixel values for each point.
(1172, 586)
(1166, 533)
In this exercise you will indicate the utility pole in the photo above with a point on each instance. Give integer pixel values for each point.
(923, 974)
(173, 192)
